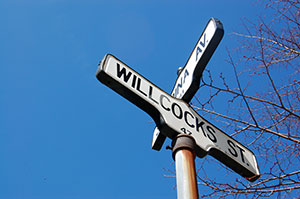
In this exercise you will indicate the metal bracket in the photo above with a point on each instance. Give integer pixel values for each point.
(183, 141)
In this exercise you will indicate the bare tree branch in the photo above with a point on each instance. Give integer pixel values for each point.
(263, 105)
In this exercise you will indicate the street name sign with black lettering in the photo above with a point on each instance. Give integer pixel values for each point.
(174, 116)
(188, 80)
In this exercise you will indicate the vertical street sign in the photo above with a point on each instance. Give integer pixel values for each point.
(188, 80)
(174, 116)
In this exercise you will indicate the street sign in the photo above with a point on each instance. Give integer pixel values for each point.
(174, 116)
(158, 139)
(188, 80)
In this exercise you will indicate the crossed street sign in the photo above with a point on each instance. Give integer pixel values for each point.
(188, 80)
(174, 116)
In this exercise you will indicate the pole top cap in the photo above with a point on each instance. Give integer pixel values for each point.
(183, 141)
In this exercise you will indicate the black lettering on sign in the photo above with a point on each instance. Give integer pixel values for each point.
(139, 86)
(178, 113)
(162, 104)
(211, 134)
(182, 81)
(186, 131)
(204, 41)
(200, 125)
(186, 73)
(232, 148)
(150, 94)
(133, 81)
(199, 50)
(235, 150)
(186, 113)
(179, 85)
(123, 73)
(241, 151)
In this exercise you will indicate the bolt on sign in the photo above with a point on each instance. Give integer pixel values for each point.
(174, 116)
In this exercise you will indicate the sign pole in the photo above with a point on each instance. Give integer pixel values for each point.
(184, 156)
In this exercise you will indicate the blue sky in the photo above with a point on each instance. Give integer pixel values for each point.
(65, 135)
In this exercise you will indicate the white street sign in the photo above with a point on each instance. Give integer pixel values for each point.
(158, 139)
(188, 80)
(174, 116)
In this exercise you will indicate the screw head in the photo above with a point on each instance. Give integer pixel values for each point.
(179, 70)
